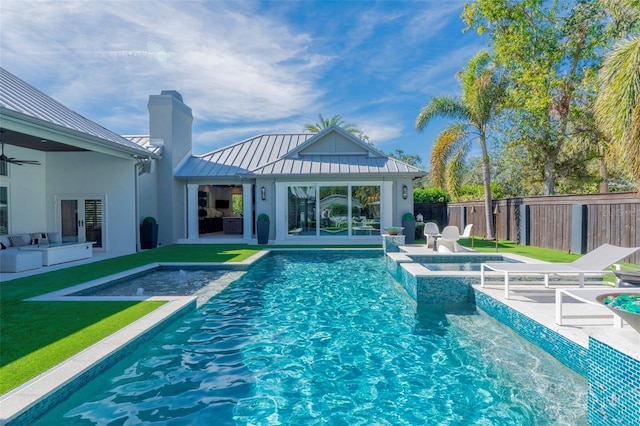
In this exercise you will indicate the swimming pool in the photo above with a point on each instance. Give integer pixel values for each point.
(317, 337)
(162, 282)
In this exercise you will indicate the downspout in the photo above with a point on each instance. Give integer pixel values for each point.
(136, 176)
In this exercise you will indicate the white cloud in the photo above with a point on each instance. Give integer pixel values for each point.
(104, 54)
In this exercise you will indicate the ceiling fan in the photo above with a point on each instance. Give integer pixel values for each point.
(4, 158)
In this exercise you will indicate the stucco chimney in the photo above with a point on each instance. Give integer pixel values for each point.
(170, 120)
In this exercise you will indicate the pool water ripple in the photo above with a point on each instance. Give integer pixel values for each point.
(330, 339)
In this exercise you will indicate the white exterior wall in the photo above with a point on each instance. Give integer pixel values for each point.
(170, 120)
(26, 192)
(90, 173)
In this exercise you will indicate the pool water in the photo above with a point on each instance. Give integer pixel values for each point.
(164, 282)
(329, 338)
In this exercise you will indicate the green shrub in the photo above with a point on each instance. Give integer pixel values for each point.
(263, 217)
(149, 220)
(430, 195)
(408, 216)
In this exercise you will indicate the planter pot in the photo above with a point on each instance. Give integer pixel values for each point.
(262, 229)
(409, 231)
(148, 236)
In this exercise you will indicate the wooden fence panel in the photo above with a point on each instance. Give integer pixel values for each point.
(610, 218)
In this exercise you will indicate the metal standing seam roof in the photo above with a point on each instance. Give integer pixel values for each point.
(145, 142)
(266, 155)
(19, 96)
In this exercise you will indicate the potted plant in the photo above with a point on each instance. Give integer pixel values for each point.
(409, 225)
(262, 229)
(148, 233)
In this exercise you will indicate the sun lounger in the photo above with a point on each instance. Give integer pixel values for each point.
(594, 262)
(590, 296)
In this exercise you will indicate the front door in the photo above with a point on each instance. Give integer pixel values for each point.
(81, 219)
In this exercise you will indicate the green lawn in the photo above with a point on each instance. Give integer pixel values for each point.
(35, 336)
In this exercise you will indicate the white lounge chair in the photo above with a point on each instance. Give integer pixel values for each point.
(590, 296)
(594, 262)
(431, 232)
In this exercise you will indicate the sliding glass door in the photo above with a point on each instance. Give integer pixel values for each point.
(331, 210)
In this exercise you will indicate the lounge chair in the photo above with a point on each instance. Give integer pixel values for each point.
(594, 262)
(590, 296)
(431, 232)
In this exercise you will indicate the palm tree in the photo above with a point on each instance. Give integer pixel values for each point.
(483, 89)
(617, 106)
(338, 121)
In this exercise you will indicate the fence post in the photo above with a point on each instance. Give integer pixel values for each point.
(525, 225)
(463, 217)
(579, 229)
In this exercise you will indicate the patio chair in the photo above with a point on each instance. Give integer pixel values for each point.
(431, 232)
(467, 231)
(449, 239)
(594, 262)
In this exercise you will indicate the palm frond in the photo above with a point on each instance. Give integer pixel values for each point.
(445, 144)
(441, 106)
(455, 169)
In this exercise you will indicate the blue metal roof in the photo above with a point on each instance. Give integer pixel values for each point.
(285, 155)
(17, 96)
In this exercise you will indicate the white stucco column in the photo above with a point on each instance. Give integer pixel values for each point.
(387, 198)
(247, 211)
(192, 211)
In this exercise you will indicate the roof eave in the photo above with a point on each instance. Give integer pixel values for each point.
(16, 121)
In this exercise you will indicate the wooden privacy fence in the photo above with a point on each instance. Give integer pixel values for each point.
(571, 223)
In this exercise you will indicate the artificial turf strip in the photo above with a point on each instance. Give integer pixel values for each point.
(30, 329)
(77, 326)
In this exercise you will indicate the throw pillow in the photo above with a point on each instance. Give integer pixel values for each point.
(54, 237)
(17, 241)
(2, 246)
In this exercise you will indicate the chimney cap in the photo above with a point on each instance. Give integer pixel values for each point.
(173, 93)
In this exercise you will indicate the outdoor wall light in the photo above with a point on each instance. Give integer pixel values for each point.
(405, 191)
(263, 193)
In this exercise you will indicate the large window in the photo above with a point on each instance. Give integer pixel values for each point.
(301, 210)
(367, 201)
(333, 210)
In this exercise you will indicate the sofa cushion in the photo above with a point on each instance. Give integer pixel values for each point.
(54, 237)
(17, 241)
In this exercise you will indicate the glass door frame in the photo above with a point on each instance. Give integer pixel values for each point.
(81, 199)
(317, 215)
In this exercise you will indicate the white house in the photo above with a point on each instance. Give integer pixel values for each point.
(84, 187)
(95, 185)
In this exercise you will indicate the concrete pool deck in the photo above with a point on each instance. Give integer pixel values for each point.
(532, 300)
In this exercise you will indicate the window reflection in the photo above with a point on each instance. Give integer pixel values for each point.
(334, 208)
(367, 221)
(301, 210)
(337, 212)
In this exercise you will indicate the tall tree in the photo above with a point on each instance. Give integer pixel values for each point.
(483, 89)
(618, 102)
(548, 49)
(338, 121)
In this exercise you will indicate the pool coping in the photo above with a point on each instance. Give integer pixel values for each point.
(19, 401)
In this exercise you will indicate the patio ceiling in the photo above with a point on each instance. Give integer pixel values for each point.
(23, 140)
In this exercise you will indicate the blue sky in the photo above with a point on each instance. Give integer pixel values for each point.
(245, 68)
